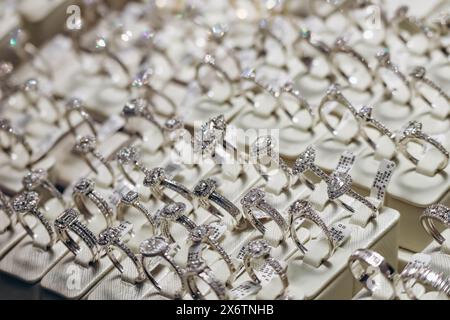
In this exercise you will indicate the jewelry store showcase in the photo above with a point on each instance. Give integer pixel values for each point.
(225, 150)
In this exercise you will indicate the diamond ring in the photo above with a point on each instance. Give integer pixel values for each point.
(38, 178)
(366, 264)
(87, 145)
(305, 162)
(129, 156)
(413, 133)
(295, 211)
(131, 199)
(156, 179)
(27, 203)
(138, 108)
(5, 126)
(419, 76)
(264, 149)
(205, 193)
(288, 89)
(158, 246)
(83, 190)
(259, 251)
(173, 212)
(416, 272)
(76, 105)
(197, 268)
(255, 199)
(7, 209)
(435, 213)
(201, 235)
(111, 239)
(67, 223)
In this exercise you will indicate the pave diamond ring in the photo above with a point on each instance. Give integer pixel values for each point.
(413, 133)
(67, 223)
(305, 162)
(156, 179)
(129, 156)
(416, 272)
(259, 251)
(131, 199)
(264, 150)
(87, 145)
(255, 200)
(173, 212)
(366, 264)
(197, 269)
(158, 246)
(76, 105)
(38, 178)
(202, 235)
(26, 203)
(84, 189)
(205, 193)
(435, 213)
(111, 239)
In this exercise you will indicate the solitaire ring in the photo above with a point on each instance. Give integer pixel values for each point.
(170, 213)
(76, 105)
(156, 179)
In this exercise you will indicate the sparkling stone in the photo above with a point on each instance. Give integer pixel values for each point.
(84, 185)
(130, 197)
(258, 248)
(74, 103)
(5, 68)
(218, 30)
(304, 160)
(263, 144)
(209, 59)
(154, 177)
(365, 113)
(172, 211)
(34, 178)
(85, 144)
(340, 42)
(248, 73)
(142, 78)
(252, 196)
(31, 85)
(205, 187)
(383, 56)
(173, 124)
(334, 90)
(299, 206)
(153, 246)
(127, 155)
(438, 210)
(210, 133)
(64, 220)
(108, 235)
(199, 233)
(26, 201)
(134, 107)
(339, 183)
(413, 128)
(305, 33)
(100, 43)
(18, 38)
(418, 72)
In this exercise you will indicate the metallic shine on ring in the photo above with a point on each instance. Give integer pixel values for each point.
(418, 272)
(87, 145)
(38, 178)
(413, 133)
(255, 199)
(26, 203)
(156, 179)
(129, 156)
(205, 193)
(158, 246)
(68, 222)
(305, 162)
(111, 239)
(5, 126)
(139, 108)
(295, 210)
(7, 209)
(435, 213)
(260, 250)
(84, 189)
(363, 260)
(131, 199)
(173, 212)
(76, 105)
(419, 75)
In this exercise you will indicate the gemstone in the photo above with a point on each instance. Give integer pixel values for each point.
(153, 246)
(299, 206)
(172, 211)
(85, 145)
(127, 155)
(338, 184)
(34, 178)
(383, 56)
(365, 113)
(334, 90)
(252, 197)
(210, 134)
(130, 197)
(142, 78)
(173, 124)
(418, 72)
(205, 187)
(412, 128)
(199, 233)
(340, 42)
(304, 160)
(305, 33)
(134, 107)
(67, 217)
(108, 235)
(31, 85)
(18, 38)
(218, 30)
(154, 177)
(258, 248)
(84, 185)
(438, 210)
(263, 144)
(209, 59)
(74, 103)
(248, 73)
(100, 43)
(26, 201)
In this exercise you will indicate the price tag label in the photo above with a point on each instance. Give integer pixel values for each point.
(245, 289)
(340, 233)
(382, 179)
(346, 162)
